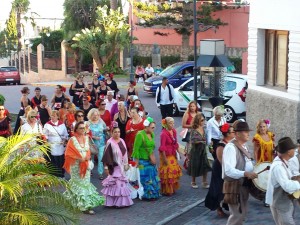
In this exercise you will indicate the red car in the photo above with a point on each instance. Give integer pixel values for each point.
(9, 74)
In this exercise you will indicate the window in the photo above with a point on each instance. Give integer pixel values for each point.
(276, 58)
(229, 86)
(189, 86)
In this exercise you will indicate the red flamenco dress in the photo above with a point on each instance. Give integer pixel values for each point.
(171, 173)
(130, 137)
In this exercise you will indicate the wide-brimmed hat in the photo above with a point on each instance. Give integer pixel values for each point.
(242, 126)
(285, 144)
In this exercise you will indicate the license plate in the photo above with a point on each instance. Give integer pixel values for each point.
(9, 79)
(147, 88)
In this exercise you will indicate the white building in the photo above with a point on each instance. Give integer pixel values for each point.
(274, 66)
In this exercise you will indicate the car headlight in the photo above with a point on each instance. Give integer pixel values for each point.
(157, 82)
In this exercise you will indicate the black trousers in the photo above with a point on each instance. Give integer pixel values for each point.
(166, 110)
(57, 162)
(215, 146)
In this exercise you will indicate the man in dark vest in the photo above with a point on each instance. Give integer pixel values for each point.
(165, 98)
(237, 168)
(281, 184)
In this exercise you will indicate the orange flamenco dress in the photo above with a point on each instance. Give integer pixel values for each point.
(265, 151)
(169, 174)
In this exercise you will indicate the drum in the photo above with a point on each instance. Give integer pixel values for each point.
(258, 186)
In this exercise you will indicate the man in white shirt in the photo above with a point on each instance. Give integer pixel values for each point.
(280, 184)
(110, 101)
(149, 71)
(236, 167)
(165, 98)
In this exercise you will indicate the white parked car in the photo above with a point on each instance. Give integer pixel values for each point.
(235, 87)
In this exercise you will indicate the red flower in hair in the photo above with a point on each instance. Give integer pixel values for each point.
(89, 98)
(132, 163)
(63, 89)
(225, 128)
(111, 75)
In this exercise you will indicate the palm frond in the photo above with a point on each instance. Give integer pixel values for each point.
(29, 193)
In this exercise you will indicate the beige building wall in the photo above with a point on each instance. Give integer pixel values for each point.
(281, 106)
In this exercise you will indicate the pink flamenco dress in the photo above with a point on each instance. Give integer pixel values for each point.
(115, 187)
(171, 173)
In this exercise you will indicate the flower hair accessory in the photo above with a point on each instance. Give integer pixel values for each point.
(89, 98)
(164, 123)
(268, 123)
(148, 121)
(63, 89)
(225, 128)
(114, 124)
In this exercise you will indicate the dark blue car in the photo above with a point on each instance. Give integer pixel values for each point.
(176, 74)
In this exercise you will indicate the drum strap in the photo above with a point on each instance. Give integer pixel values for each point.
(242, 149)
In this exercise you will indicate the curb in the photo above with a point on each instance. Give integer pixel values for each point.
(180, 212)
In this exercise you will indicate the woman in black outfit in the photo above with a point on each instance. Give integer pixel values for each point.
(77, 87)
(25, 101)
(92, 93)
(122, 118)
(44, 110)
(102, 89)
(215, 195)
(131, 91)
(95, 82)
(111, 83)
(86, 107)
(58, 97)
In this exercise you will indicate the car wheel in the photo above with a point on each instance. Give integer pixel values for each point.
(175, 111)
(229, 114)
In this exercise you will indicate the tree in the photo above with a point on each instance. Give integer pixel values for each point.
(177, 15)
(11, 30)
(21, 7)
(29, 194)
(111, 32)
(51, 43)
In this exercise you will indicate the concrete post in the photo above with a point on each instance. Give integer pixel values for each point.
(63, 58)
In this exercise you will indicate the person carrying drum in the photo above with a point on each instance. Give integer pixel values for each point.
(237, 167)
(281, 184)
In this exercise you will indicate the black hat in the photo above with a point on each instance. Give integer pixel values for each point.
(285, 144)
(242, 126)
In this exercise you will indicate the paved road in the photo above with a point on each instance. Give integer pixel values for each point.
(166, 209)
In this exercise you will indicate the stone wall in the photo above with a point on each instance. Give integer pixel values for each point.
(167, 50)
(283, 113)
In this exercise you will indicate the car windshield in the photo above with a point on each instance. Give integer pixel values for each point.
(170, 70)
(7, 69)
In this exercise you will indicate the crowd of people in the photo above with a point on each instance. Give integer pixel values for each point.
(95, 124)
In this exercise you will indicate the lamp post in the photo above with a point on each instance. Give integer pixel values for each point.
(198, 27)
(131, 43)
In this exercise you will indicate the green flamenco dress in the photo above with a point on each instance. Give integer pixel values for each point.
(81, 192)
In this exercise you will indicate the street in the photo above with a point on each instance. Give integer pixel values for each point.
(166, 210)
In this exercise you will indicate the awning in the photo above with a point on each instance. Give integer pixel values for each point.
(213, 61)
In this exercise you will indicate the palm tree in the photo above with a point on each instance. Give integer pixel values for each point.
(29, 195)
(21, 7)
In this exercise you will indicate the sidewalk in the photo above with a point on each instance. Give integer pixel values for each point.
(120, 82)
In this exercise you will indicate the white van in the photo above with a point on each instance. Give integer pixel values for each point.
(235, 87)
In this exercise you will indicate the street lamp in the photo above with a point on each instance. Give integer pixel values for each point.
(198, 27)
(131, 43)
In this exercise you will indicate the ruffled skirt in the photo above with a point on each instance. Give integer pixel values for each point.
(83, 194)
(149, 179)
(116, 190)
(169, 175)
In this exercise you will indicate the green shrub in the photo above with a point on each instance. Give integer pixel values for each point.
(237, 62)
(165, 60)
